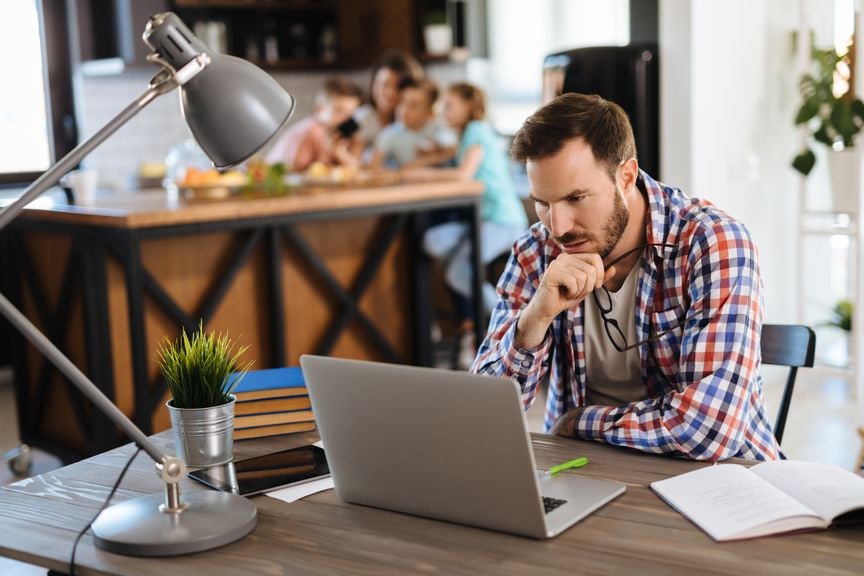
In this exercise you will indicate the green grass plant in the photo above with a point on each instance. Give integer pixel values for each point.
(197, 369)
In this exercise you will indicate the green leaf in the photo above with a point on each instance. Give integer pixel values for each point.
(807, 111)
(858, 108)
(822, 135)
(804, 162)
(841, 119)
(197, 369)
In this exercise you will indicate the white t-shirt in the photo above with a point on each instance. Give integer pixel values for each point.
(400, 145)
(613, 377)
(369, 124)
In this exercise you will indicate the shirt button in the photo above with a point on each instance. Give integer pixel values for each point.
(526, 363)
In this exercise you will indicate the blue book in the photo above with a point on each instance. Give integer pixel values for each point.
(270, 383)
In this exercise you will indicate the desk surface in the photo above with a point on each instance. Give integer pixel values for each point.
(149, 209)
(322, 535)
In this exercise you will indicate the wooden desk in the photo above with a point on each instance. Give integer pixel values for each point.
(322, 535)
(324, 270)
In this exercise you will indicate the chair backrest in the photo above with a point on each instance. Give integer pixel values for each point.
(787, 345)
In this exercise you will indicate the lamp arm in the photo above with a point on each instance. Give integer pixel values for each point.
(170, 467)
(46, 347)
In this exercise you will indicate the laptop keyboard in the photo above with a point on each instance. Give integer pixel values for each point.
(550, 504)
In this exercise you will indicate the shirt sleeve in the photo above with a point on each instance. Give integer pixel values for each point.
(476, 134)
(499, 355)
(311, 149)
(369, 125)
(384, 141)
(445, 137)
(707, 416)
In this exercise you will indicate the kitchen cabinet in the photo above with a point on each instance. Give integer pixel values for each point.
(301, 34)
(111, 30)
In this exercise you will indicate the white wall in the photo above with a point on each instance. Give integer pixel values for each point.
(729, 95)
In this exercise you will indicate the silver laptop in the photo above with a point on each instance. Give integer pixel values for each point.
(441, 444)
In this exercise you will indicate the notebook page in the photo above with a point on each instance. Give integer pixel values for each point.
(728, 501)
(828, 489)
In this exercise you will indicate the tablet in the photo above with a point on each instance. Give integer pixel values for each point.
(267, 472)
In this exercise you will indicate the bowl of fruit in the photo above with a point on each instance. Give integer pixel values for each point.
(210, 183)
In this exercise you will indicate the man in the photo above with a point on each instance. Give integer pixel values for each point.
(642, 305)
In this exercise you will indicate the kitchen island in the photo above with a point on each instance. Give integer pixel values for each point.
(330, 269)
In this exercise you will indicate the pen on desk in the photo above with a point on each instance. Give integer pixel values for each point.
(577, 463)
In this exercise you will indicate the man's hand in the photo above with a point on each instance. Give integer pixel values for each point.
(569, 279)
(565, 425)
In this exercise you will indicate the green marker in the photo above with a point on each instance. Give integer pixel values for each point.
(577, 463)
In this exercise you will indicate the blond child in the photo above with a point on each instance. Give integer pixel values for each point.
(417, 138)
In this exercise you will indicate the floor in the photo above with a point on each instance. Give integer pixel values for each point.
(9, 441)
(821, 427)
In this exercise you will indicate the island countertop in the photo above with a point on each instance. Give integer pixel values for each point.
(156, 208)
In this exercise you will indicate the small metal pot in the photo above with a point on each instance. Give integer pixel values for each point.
(203, 436)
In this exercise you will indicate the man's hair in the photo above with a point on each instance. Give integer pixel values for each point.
(474, 96)
(601, 123)
(339, 86)
(428, 87)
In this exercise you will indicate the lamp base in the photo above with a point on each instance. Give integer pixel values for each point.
(138, 528)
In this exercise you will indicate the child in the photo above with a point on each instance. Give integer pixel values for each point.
(387, 75)
(480, 157)
(316, 138)
(417, 139)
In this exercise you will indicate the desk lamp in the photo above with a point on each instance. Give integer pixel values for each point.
(233, 109)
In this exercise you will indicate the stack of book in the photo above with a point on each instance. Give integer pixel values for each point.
(272, 402)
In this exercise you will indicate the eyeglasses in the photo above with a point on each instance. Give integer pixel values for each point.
(604, 304)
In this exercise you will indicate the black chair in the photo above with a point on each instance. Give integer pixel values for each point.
(787, 345)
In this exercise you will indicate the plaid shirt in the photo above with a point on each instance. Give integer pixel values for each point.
(702, 380)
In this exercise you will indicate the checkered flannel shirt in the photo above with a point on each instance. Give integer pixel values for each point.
(702, 381)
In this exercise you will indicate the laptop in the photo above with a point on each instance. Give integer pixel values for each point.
(441, 444)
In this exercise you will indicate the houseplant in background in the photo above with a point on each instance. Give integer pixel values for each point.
(437, 33)
(197, 370)
(836, 348)
(841, 315)
(836, 117)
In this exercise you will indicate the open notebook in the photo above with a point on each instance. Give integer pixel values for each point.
(732, 502)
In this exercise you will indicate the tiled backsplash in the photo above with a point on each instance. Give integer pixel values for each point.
(150, 135)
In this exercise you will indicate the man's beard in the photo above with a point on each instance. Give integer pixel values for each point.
(613, 228)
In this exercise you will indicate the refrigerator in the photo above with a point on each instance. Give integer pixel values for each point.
(627, 75)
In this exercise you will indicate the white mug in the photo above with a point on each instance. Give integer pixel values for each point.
(83, 183)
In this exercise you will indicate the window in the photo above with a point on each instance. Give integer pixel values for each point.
(34, 41)
(522, 34)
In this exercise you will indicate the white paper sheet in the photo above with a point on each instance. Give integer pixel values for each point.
(294, 493)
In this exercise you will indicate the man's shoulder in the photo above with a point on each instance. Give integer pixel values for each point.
(535, 246)
(710, 224)
(531, 253)
(690, 218)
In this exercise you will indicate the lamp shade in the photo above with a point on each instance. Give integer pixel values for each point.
(232, 107)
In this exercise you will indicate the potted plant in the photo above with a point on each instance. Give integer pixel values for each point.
(198, 372)
(437, 33)
(841, 315)
(836, 116)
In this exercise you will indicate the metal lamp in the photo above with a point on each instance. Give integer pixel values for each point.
(233, 109)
